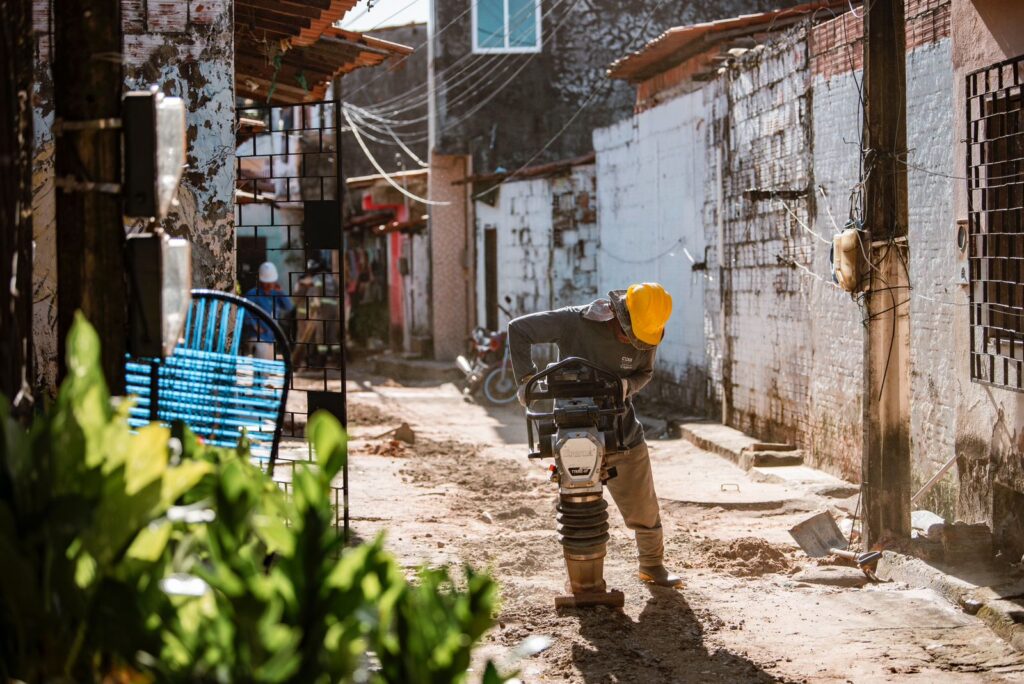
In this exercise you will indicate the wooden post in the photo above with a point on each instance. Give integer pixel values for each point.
(886, 443)
(88, 84)
(16, 57)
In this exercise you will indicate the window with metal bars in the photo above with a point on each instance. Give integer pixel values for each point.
(995, 202)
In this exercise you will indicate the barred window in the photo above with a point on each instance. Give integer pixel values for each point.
(995, 197)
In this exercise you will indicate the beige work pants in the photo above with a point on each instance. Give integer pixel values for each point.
(633, 491)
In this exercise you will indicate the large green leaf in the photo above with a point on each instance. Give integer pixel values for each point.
(329, 442)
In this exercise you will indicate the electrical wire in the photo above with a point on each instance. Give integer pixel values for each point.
(454, 74)
(415, 49)
(669, 252)
(380, 170)
(461, 97)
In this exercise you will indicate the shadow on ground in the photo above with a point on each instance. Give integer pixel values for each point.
(665, 644)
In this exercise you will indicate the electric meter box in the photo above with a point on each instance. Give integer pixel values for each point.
(846, 259)
(154, 152)
(160, 271)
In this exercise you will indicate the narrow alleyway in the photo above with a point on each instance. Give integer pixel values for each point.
(752, 609)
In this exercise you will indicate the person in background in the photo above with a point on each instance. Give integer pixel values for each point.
(269, 296)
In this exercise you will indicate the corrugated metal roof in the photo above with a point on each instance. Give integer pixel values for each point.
(682, 42)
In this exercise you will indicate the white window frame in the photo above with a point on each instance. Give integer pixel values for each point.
(506, 49)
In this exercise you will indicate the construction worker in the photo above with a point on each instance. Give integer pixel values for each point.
(620, 334)
(269, 296)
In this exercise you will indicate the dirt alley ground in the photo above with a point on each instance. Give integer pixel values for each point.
(465, 492)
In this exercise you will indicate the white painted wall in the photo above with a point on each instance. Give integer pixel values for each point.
(837, 332)
(650, 190)
(547, 251)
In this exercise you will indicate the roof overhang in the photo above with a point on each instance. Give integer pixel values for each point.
(681, 43)
(288, 51)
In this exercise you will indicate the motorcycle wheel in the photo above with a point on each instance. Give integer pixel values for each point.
(499, 386)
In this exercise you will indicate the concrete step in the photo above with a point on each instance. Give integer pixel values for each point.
(718, 439)
(770, 459)
(816, 481)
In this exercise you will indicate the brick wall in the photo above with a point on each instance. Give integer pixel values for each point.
(650, 171)
(837, 46)
(546, 230)
(767, 383)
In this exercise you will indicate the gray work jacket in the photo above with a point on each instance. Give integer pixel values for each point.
(583, 331)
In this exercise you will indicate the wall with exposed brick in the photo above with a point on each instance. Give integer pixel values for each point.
(768, 150)
(546, 231)
(186, 48)
(650, 183)
(836, 55)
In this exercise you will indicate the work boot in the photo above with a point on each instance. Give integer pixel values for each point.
(657, 574)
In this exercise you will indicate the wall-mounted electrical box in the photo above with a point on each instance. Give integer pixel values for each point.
(160, 276)
(154, 152)
(846, 259)
(962, 245)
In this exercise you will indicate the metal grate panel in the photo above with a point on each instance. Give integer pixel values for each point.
(289, 194)
(995, 200)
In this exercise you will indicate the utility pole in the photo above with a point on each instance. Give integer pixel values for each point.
(16, 57)
(886, 444)
(88, 84)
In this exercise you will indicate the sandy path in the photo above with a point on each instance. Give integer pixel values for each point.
(465, 493)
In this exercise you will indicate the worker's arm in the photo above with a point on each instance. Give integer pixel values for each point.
(639, 378)
(539, 328)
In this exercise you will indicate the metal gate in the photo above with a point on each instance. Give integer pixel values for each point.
(288, 212)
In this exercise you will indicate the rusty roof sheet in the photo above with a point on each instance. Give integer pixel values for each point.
(682, 42)
(302, 73)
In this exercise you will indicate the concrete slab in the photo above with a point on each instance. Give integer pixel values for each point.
(719, 439)
(983, 591)
(689, 475)
(419, 370)
(813, 480)
(832, 576)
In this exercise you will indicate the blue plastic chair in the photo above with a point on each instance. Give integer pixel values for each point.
(207, 385)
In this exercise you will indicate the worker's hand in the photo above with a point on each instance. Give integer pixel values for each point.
(521, 392)
(625, 388)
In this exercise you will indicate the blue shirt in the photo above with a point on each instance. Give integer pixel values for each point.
(276, 303)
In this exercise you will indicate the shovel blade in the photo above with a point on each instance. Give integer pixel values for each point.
(818, 534)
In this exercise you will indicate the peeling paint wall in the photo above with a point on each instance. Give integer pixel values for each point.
(547, 243)
(187, 48)
(650, 181)
(768, 149)
(44, 208)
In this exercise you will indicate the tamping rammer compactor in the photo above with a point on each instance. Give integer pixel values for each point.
(584, 424)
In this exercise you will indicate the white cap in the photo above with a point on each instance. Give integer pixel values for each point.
(268, 272)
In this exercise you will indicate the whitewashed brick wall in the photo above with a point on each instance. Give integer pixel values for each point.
(651, 194)
(547, 251)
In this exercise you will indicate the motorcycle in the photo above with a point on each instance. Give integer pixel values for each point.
(488, 368)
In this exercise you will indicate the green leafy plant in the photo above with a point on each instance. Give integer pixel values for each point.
(81, 543)
(120, 560)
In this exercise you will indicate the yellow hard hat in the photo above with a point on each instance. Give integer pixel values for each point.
(650, 307)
